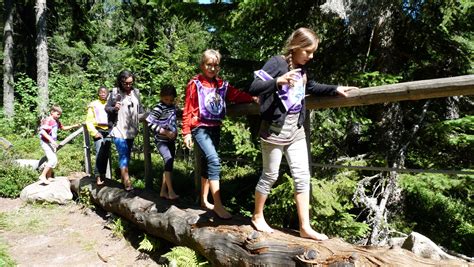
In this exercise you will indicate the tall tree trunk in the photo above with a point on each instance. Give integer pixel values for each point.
(377, 192)
(42, 57)
(8, 96)
(452, 108)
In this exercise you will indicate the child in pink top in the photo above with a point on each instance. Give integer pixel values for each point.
(48, 140)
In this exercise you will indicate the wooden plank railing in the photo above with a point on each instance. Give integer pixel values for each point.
(425, 89)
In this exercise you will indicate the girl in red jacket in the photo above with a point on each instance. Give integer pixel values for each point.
(204, 110)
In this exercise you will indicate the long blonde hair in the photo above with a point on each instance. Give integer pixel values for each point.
(300, 38)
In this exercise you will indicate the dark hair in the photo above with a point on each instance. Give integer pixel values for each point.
(101, 88)
(123, 75)
(168, 90)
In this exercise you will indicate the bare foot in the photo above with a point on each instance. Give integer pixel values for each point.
(128, 185)
(222, 213)
(310, 233)
(99, 181)
(173, 196)
(207, 205)
(261, 225)
(163, 194)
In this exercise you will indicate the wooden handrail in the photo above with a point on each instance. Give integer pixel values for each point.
(424, 89)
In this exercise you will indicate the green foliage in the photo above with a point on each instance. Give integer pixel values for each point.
(446, 200)
(445, 144)
(70, 157)
(85, 198)
(184, 256)
(148, 244)
(175, 57)
(330, 135)
(375, 78)
(118, 227)
(5, 259)
(74, 108)
(25, 121)
(280, 208)
(332, 207)
(14, 178)
(241, 138)
(461, 131)
(25, 147)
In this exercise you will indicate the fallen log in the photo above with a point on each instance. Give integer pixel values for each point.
(234, 242)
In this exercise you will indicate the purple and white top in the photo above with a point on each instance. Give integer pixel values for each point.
(211, 101)
(290, 97)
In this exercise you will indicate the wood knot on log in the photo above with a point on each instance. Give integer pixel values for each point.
(311, 254)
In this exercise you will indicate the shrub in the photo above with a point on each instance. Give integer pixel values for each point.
(14, 178)
(441, 207)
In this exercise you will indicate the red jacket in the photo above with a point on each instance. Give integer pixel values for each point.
(191, 105)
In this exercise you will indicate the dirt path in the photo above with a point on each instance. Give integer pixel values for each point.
(68, 235)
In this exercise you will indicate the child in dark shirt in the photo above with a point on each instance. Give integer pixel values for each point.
(162, 122)
(281, 86)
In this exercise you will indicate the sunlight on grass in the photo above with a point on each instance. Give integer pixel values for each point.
(28, 219)
(5, 259)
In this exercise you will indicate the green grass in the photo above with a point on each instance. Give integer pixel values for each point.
(5, 259)
(28, 219)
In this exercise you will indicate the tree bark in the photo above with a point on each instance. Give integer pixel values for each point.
(8, 82)
(234, 242)
(42, 58)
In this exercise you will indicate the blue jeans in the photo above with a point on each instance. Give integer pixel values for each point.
(124, 148)
(207, 140)
(102, 153)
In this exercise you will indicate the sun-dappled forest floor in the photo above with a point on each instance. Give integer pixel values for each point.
(65, 235)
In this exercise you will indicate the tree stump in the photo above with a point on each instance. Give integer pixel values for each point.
(234, 242)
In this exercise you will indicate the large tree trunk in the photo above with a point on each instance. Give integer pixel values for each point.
(234, 242)
(385, 190)
(42, 57)
(8, 93)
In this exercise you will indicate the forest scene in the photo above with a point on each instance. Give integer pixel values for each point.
(378, 172)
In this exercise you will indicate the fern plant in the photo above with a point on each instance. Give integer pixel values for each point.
(148, 244)
(184, 256)
(118, 228)
(85, 198)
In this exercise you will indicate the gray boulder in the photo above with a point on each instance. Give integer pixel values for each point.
(424, 247)
(58, 191)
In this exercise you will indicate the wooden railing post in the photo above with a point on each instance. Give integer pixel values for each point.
(87, 151)
(197, 173)
(147, 156)
(307, 131)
